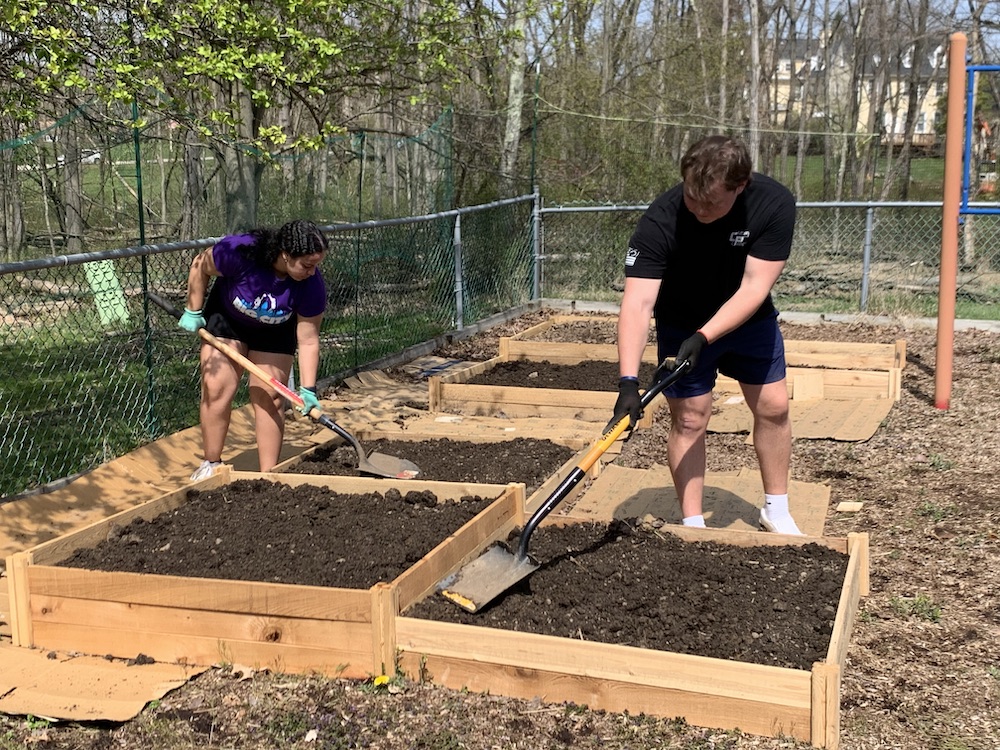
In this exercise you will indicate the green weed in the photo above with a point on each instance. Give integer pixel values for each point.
(441, 740)
(287, 726)
(34, 722)
(866, 616)
(384, 683)
(954, 743)
(940, 463)
(935, 512)
(920, 606)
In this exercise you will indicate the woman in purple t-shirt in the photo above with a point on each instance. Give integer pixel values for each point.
(267, 301)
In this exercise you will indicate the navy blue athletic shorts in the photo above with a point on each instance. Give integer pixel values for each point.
(279, 339)
(753, 354)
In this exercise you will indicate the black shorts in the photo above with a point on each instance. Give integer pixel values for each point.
(279, 339)
(753, 354)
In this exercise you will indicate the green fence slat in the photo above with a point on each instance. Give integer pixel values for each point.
(108, 293)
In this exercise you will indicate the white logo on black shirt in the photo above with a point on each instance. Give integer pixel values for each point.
(739, 239)
(631, 256)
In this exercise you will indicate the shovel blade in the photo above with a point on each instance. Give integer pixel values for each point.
(486, 578)
(384, 465)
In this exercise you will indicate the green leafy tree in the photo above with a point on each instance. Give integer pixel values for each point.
(229, 70)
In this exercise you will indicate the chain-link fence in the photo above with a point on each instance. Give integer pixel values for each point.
(876, 258)
(91, 369)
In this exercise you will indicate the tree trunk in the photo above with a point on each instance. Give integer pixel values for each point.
(516, 63)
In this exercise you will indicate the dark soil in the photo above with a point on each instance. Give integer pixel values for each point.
(527, 460)
(638, 587)
(587, 376)
(258, 530)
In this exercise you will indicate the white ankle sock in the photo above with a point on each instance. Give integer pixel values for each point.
(694, 521)
(777, 505)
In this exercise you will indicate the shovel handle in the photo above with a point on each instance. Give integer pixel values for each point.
(247, 364)
(663, 377)
(253, 368)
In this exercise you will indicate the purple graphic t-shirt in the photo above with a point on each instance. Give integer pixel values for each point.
(256, 296)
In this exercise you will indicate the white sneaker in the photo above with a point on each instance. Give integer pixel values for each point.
(206, 470)
(783, 525)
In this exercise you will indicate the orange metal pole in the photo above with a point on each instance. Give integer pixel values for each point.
(952, 198)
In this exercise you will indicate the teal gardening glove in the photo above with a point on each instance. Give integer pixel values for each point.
(309, 400)
(191, 320)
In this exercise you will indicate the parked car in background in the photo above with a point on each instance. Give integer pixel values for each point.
(87, 156)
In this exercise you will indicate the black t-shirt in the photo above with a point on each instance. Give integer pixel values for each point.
(702, 264)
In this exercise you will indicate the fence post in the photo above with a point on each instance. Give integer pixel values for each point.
(866, 262)
(951, 205)
(536, 238)
(459, 288)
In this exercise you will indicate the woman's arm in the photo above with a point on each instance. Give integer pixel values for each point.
(202, 270)
(307, 333)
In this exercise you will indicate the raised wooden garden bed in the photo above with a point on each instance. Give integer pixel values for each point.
(290, 628)
(452, 392)
(816, 369)
(710, 692)
(844, 355)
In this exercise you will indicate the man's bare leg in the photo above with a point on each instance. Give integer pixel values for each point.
(686, 450)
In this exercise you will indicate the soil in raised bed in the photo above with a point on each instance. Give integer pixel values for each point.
(593, 375)
(527, 460)
(631, 585)
(590, 331)
(619, 584)
(259, 530)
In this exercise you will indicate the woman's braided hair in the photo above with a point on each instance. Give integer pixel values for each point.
(295, 239)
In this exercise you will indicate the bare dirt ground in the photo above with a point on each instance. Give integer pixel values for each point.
(923, 669)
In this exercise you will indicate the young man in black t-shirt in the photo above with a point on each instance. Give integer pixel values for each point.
(702, 262)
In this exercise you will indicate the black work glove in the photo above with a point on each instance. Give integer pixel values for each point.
(690, 349)
(628, 403)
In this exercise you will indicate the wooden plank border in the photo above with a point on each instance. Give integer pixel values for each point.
(798, 352)
(451, 392)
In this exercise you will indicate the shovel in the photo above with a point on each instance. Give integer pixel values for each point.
(497, 569)
(378, 464)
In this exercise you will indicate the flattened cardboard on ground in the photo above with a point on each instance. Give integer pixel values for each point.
(846, 420)
(730, 501)
(82, 688)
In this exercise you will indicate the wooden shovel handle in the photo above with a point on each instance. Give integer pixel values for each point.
(252, 367)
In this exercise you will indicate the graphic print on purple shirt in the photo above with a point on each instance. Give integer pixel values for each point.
(255, 295)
